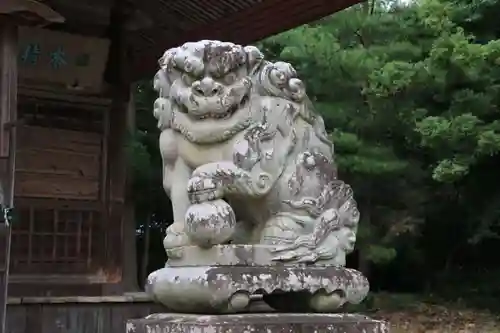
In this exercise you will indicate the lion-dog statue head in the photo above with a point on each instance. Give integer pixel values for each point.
(205, 89)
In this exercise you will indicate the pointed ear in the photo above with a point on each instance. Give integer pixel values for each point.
(161, 81)
(255, 58)
(162, 84)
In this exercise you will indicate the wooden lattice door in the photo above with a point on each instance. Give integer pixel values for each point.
(5, 245)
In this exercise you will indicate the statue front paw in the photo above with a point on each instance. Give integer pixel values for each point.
(175, 239)
(202, 189)
(210, 181)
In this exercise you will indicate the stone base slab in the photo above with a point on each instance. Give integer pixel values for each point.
(257, 323)
(231, 289)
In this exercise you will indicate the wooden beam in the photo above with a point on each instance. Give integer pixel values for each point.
(120, 116)
(36, 8)
(115, 74)
(8, 112)
(267, 18)
(129, 243)
(8, 83)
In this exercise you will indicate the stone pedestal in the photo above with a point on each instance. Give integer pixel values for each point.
(228, 278)
(257, 323)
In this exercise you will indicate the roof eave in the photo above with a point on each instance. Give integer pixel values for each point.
(260, 21)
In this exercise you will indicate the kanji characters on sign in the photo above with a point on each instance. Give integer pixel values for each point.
(30, 53)
(58, 58)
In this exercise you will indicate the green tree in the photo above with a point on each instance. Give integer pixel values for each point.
(411, 100)
(337, 57)
(454, 94)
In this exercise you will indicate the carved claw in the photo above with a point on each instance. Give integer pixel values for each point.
(312, 257)
(284, 248)
(215, 168)
(202, 189)
(175, 239)
(306, 241)
(292, 255)
(211, 181)
(302, 257)
(302, 241)
(302, 250)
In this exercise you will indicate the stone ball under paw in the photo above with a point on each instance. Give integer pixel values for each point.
(210, 223)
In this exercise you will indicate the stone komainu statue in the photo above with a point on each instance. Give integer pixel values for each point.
(248, 166)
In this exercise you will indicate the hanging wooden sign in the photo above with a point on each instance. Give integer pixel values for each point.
(49, 57)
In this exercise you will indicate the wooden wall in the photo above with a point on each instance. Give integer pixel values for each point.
(63, 232)
(75, 317)
(71, 179)
(58, 163)
(60, 150)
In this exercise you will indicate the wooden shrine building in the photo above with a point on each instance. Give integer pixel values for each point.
(66, 74)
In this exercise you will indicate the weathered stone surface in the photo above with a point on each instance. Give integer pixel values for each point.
(229, 289)
(257, 323)
(238, 128)
(260, 218)
(210, 223)
(229, 255)
(224, 255)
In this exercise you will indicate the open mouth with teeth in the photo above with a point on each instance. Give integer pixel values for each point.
(222, 115)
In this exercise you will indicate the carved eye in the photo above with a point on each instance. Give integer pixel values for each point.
(188, 67)
(230, 78)
(188, 79)
(277, 77)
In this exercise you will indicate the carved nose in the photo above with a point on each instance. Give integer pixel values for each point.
(207, 87)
